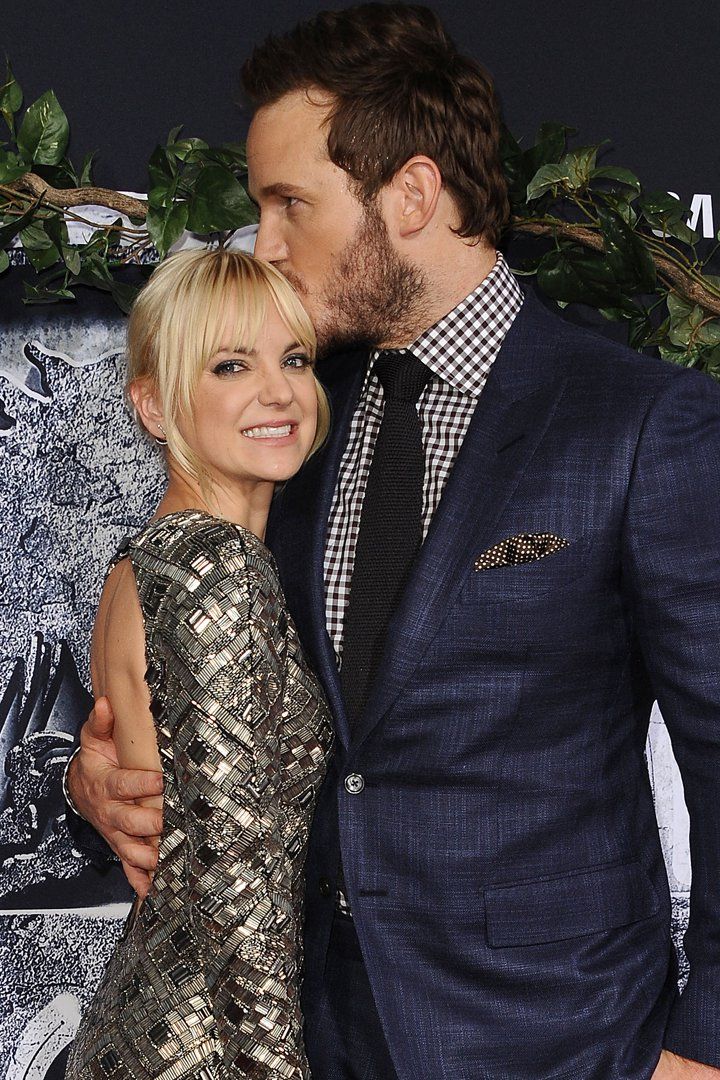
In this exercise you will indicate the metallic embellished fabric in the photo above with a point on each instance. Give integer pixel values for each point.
(205, 981)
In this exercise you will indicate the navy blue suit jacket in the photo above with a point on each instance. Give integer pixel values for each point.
(503, 860)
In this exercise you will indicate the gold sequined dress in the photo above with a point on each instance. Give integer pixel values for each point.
(204, 983)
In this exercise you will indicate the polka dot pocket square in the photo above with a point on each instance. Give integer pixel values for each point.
(524, 548)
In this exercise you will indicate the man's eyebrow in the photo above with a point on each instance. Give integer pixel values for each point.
(285, 191)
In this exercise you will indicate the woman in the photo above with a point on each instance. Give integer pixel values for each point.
(201, 661)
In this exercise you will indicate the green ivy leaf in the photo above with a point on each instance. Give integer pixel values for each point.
(71, 258)
(549, 147)
(686, 357)
(580, 164)
(685, 320)
(631, 262)
(574, 275)
(11, 167)
(62, 175)
(187, 149)
(85, 177)
(10, 229)
(237, 151)
(124, 295)
(623, 176)
(165, 227)
(219, 202)
(10, 98)
(667, 215)
(640, 331)
(621, 203)
(161, 167)
(44, 132)
(4, 261)
(159, 196)
(42, 294)
(39, 246)
(709, 333)
(547, 177)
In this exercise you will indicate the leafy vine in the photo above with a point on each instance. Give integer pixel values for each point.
(596, 236)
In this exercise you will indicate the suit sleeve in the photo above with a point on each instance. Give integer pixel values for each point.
(672, 567)
(224, 688)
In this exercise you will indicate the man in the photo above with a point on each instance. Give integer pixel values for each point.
(507, 550)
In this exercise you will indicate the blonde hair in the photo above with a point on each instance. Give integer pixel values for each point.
(180, 317)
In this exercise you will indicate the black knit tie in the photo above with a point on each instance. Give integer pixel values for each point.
(390, 525)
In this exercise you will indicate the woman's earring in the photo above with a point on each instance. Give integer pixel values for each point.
(158, 440)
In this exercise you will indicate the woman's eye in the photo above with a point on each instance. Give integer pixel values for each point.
(297, 360)
(228, 367)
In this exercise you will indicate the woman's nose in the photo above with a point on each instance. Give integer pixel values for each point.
(275, 389)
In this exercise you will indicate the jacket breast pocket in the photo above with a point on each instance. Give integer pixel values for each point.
(527, 581)
(586, 901)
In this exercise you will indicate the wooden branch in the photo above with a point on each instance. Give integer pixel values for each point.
(85, 196)
(683, 283)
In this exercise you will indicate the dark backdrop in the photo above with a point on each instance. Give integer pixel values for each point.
(642, 73)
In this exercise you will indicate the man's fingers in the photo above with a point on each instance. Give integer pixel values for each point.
(139, 880)
(135, 820)
(126, 784)
(101, 721)
(141, 856)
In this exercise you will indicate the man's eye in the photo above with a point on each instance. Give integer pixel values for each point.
(297, 360)
(228, 367)
(291, 200)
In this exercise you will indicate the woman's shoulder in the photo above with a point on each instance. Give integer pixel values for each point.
(192, 549)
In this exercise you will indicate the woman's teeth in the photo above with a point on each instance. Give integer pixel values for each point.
(268, 432)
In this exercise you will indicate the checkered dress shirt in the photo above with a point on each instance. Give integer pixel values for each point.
(459, 350)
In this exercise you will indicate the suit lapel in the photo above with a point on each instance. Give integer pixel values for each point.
(509, 421)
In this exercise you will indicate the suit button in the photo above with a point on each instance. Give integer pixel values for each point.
(354, 783)
(324, 886)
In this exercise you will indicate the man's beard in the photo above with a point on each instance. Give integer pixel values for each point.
(376, 297)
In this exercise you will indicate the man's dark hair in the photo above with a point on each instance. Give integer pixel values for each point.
(399, 88)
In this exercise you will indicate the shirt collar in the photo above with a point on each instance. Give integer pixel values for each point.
(461, 347)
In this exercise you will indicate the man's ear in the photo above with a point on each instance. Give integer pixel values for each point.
(417, 187)
(144, 396)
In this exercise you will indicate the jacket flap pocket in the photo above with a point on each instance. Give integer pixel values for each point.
(584, 902)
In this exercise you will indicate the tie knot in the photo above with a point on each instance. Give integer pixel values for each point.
(402, 376)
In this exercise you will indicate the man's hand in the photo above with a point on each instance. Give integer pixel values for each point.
(672, 1067)
(104, 794)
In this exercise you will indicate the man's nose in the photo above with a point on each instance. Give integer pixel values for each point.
(268, 244)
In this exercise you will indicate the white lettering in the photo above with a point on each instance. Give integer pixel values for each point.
(701, 213)
(701, 210)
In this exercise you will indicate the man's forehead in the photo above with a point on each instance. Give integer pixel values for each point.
(285, 138)
(295, 117)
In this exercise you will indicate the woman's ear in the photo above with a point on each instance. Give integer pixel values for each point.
(144, 396)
